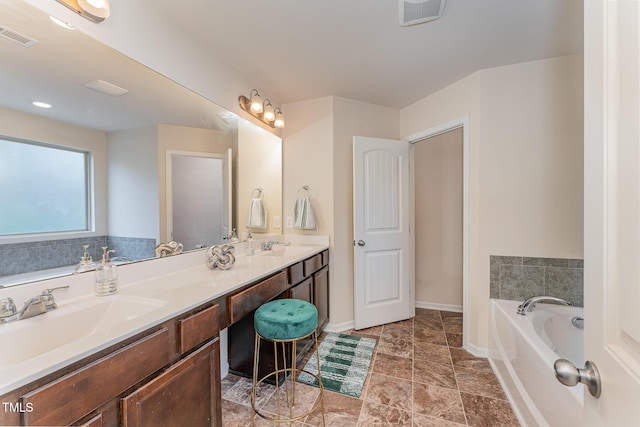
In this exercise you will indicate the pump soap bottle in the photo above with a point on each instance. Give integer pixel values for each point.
(106, 275)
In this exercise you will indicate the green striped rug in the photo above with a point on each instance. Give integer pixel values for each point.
(344, 363)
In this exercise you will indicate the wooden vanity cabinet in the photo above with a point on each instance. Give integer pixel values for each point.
(321, 295)
(168, 375)
(307, 280)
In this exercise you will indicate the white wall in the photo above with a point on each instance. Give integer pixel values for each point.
(438, 224)
(525, 164)
(134, 195)
(35, 128)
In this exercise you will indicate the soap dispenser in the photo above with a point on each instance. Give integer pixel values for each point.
(248, 244)
(86, 262)
(106, 275)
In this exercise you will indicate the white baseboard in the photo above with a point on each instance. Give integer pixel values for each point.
(477, 351)
(439, 307)
(339, 327)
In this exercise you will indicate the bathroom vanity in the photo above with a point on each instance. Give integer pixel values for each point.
(161, 367)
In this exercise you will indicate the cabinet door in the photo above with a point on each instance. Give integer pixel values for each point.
(321, 296)
(187, 394)
(303, 291)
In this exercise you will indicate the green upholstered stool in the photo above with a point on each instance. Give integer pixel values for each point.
(285, 321)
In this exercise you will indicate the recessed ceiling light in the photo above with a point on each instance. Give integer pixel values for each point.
(62, 23)
(41, 104)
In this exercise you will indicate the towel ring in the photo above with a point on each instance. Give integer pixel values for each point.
(260, 193)
(304, 188)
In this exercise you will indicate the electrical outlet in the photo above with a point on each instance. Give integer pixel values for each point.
(289, 223)
(276, 222)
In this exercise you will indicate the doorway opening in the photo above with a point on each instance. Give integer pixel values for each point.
(445, 239)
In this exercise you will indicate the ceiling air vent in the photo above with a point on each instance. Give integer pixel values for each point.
(16, 37)
(414, 12)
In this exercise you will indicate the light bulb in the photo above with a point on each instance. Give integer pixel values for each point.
(269, 115)
(256, 102)
(279, 119)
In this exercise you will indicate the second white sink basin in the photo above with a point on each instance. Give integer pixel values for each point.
(284, 251)
(69, 323)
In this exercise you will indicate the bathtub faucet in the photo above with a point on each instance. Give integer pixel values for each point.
(528, 304)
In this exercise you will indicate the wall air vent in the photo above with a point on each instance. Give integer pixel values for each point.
(16, 37)
(414, 12)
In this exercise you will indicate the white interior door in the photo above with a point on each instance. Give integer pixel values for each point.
(612, 209)
(196, 198)
(382, 251)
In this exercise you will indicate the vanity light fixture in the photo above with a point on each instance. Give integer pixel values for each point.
(264, 111)
(94, 10)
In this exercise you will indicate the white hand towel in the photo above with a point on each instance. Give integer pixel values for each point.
(303, 214)
(257, 216)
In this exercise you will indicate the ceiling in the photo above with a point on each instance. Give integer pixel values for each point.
(296, 50)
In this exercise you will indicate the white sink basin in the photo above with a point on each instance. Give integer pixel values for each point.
(284, 251)
(28, 338)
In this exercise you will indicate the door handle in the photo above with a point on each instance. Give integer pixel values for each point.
(361, 243)
(569, 375)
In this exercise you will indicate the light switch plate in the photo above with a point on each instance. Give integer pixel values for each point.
(289, 222)
(276, 222)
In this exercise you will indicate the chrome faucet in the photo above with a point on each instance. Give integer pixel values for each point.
(35, 306)
(267, 246)
(528, 304)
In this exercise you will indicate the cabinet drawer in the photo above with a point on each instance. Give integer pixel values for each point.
(296, 273)
(248, 300)
(325, 257)
(312, 265)
(76, 394)
(94, 422)
(303, 291)
(197, 328)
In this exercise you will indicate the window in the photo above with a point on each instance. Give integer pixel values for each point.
(43, 188)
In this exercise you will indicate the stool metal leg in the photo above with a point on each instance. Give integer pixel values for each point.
(321, 397)
(293, 373)
(256, 361)
(292, 370)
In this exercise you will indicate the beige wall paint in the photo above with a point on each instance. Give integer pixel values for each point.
(259, 164)
(525, 165)
(318, 152)
(438, 224)
(41, 129)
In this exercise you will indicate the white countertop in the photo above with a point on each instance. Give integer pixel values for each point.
(149, 293)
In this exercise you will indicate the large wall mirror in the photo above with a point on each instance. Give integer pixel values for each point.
(152, 150)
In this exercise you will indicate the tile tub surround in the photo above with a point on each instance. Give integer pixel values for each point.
(518, 278)
(418, 377)
(18, 258)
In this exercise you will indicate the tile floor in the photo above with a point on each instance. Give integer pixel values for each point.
(419, 376)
